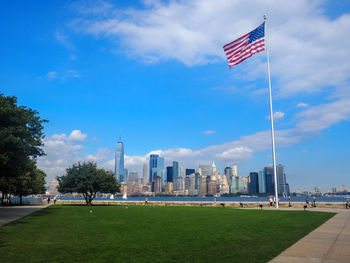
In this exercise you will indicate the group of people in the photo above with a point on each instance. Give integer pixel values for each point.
(307, 202)
(272, 201)
(49, 200)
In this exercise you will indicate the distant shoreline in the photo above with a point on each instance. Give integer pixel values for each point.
(247, 204)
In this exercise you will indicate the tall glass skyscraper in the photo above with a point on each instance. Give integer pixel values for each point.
(175, 171)
(153, 164)
(161, 171)
(119, 162)
(262, 181)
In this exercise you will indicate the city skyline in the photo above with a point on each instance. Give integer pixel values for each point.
(157, 70)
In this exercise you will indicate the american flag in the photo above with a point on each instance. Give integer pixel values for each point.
(245, 46)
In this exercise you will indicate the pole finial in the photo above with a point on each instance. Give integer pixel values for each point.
(265, 16)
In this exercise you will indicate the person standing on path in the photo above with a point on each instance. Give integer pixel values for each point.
(270, 201)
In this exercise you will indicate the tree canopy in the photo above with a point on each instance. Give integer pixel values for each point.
(87, 179)
(21, 139)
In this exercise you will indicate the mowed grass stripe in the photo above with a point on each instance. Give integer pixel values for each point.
(154, 234)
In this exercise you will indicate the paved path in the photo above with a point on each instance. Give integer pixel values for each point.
(329, 243)
(12, 213)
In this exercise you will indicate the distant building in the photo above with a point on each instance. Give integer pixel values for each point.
(234, 170)
(253, 187)
(153, 164)
(158, 184)
(161, 170)
(282, 185)
(197, 181)
(212, 190)
(204, 169)
(237, 185)
(169, 174)
(132, 177)
(175, 171)
(145, 174)
(203, 185)
(190, 182)
(228, 174)
(119, 162)
(179, 184)
(53, 187)
(269, 176)
(190, 171)
(126, 174)
(262, 181)
(169, 187)
(228, 171)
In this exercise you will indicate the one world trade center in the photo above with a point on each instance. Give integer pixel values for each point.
(119, 161)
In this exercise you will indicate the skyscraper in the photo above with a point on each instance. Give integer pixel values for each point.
(189, 171)
(119, 162)
(169, 174)
(153, 164)
(282, 185)
(145, 174)
(161, 171)
(234, 170)
(253, 187)
(204, 169)
(175, 171)
(228, 171)
(262, 181)
(269, 176)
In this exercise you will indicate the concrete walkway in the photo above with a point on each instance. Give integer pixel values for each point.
(12, 213)
(329, 243)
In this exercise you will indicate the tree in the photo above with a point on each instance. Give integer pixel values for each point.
(87, 179)
(29, 182)
(21, 138)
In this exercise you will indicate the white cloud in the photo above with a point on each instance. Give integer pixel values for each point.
(304, 56)
(63, 75)
(208, 132)
(238, 153)
(277, 115)
(61, 151)
(101, 155)
(317, 118)
(302, 105)
(77, 135)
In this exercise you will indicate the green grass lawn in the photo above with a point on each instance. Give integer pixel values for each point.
(154, 234)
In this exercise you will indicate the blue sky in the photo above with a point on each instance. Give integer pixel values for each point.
(156, 69)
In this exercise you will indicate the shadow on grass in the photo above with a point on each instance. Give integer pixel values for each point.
(2, 234)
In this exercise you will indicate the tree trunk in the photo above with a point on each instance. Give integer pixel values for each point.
(20, 199)
(2, 198)
(8, 199)
(86, 199)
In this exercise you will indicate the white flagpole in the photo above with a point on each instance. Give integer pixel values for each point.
(271, 117)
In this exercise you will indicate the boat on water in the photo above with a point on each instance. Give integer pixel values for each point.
(125, 196)
(111, 197)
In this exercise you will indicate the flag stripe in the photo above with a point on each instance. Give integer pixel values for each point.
(236, 47)
(249, 55)
(259, 42)
(249, 50)
(246, 46)
(233, 42)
